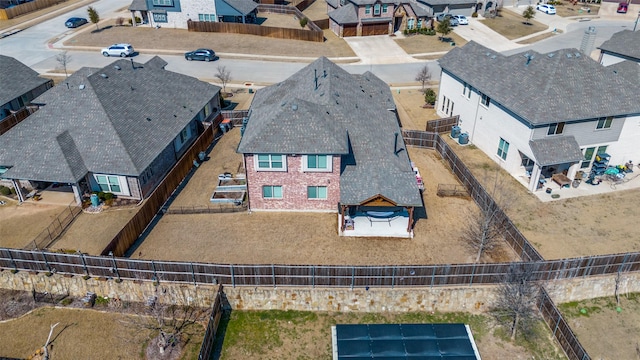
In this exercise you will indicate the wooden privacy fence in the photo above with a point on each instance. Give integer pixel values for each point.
(206, 349)
(286, 9)
(251, 29)
(561, 330)
(443, 124)
(234, 114)
(6, 14)
(313, 275)
(53, 231)
(130, 232)
(513, 236)
(14, 119)
(302, 5)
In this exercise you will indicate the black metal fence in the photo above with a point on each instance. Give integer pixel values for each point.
(55, 229)
(206, 349)
(561, 330)
(312, 275)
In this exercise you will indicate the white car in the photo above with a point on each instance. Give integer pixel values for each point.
(546, 8)
(122, 50)
(462, 20)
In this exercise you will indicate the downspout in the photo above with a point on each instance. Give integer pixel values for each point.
(475, 118)
(410, 219)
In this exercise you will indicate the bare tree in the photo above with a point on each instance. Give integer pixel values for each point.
(515, 303)
(63, 60)
(485, 226)
(423, 76)
(224, 75)
(46, 345)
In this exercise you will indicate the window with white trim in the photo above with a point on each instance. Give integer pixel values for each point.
(503, 149)
(317, 192)
(271, 162)
(466, 90)
(367, 9)
(604, 122)
(207, 17)
(108, 183)
(376, 9)
(317, 163)
(485, 100)
(385, 8)
(272, 191)
(410, 24)
(162, 2)
(588, 156)
(556, 128)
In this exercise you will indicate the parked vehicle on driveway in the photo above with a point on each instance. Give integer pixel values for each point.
(546, 8)
(201, 54)
(452, 19)
(622, 8)
(122, 50)
(462, 20)
(74, 22)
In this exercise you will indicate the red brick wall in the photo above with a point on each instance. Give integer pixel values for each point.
(294, 184)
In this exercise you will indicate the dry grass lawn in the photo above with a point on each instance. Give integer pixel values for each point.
(589, 225)
(568, 10)
(19, 224)
(317, 10)
(512, 25)
(420, 44)
(82, 334)
(540, 37)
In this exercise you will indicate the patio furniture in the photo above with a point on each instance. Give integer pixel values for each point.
(561, 179)
(380, 216)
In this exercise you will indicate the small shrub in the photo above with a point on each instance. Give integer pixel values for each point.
(303, 22)
(430, 96)
(108, 196)
(108, 202)
(406, 32)
(119, 21)
(103, 301)
(66, 301)
(138, 20)
(101, 195)
(130, 22)
(475, 14)
(5, 190)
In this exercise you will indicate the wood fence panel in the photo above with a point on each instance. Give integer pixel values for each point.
(208, 342)
(250, 29)
(322, 24)
(6, 14)
(442, 125)
(14, 119)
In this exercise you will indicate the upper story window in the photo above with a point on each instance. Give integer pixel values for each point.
(485, 100)
(376, 9)
(162, 2)
(271, 162)
(385, 8)
(466, 91)
(503, 149)
(367, 9)
(604, 123)
(317, 163)
(555, 129)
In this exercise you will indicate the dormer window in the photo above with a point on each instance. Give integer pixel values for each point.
(376, 10)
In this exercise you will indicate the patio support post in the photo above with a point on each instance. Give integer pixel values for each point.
(16, 185)
(410, 219)
(76, 193)
(342, 220)
(133, 18)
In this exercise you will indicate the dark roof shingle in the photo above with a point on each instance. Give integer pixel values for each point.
(16, 79)
(625, 43)
(556, 150)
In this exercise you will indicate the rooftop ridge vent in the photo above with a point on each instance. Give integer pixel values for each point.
(81, 87)
(550, 55)
(117, 67)
(104, 76)
(493, 57)
(568, 56)
(294, 107)
(576, 54)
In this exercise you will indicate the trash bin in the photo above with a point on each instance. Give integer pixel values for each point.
(95, 200)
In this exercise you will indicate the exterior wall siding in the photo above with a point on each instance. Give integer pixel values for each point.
(586, 133)
(486, 126)
(159, 167)
(610, 59)
(134, 187)
(189, 10)
(626, 148)
(294, 184)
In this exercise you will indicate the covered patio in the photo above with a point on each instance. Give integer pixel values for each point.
(140, 7)
(554, 163)
(376, 217)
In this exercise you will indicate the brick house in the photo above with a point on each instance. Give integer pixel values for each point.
(118, 129)
(328, 141)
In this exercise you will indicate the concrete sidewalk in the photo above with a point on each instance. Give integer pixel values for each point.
(485, 36)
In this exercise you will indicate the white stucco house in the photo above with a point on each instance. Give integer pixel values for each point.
(537, 115)
(623, 45)
(177, 13)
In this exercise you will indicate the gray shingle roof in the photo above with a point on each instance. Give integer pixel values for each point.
(347, 14)
(104, 121)
(333, 3)
(357, 106)
(448, 2)
(625, 43)
(16, 79)
(138, 5)
(420, 9)
(559, 86)
(629, 69)
(556, 150)
(244, 7)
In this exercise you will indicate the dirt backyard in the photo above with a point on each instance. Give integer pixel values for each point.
(19, 224)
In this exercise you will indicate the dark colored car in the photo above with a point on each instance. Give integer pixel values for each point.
(201, 54)
(74, 22)
(623, 8)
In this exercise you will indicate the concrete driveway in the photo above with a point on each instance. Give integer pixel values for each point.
(485, 36)
(378, 50)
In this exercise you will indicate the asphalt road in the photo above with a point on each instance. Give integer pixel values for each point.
(30, 47)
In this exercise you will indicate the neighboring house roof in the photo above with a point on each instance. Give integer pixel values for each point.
(333, 3)
(447, 2)
(562, 85)
(371, 2)
(625, 43)
(17, 79)
(420, 9)
(556, 150)
(298, 117)
(628, 69)
(138, 5)
(244, 7)
(114, 120)
(347, 14)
